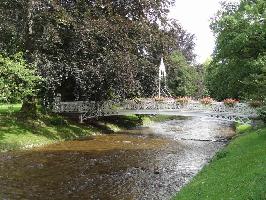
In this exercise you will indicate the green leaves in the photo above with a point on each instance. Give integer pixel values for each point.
(182, 77)
(93, 50)
(17, 80)
(240, 45)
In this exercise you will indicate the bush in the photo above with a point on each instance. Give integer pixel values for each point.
(17, 79)
(58, 121)
(255, 103)
(206, 100)
(183, 100)
(230, 102)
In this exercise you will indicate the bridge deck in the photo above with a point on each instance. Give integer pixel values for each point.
(241, 112)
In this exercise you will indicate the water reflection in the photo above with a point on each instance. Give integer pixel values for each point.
(147, 163)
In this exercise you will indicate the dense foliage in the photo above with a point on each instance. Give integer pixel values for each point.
(238, 68)
(183, 78)
(90, 49)
(17, 79)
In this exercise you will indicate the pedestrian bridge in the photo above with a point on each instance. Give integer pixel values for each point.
(240, 112)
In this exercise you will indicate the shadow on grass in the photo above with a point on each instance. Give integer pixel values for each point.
(16, 133)
(122, 122)
(128, 121)
(10, 125)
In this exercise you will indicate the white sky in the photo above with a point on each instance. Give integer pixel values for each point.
(194, 16)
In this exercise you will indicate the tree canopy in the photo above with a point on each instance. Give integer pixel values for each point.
(93, 49)
(239, 60)
(182, 77)
(17, 79)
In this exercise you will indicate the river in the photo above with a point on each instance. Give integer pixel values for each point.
(150, 163)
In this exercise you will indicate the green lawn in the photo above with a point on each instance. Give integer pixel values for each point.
(15, 134)
(237, 172)
(9, 108)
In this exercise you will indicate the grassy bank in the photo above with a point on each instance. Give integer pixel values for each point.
(9, 108)
(18, 134)
(237, 172)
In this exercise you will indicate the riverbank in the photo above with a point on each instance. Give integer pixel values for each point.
(16, 134)
(20, 134)
(147, 162)
(236, 172)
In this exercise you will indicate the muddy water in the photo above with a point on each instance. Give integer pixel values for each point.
(146, 163)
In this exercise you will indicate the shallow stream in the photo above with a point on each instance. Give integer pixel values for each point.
(146, 163)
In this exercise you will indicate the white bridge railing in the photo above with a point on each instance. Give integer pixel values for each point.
(88, 109)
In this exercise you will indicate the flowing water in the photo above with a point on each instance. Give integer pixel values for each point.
(145, 163)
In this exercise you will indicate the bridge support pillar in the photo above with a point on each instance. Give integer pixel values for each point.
(81, 119)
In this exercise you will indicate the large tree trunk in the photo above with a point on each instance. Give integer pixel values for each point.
(29, 108)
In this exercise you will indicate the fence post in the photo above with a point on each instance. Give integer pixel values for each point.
(57, 103)
(81, 118)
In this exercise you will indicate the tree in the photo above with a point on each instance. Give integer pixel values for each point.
(239, 57)
(17, 79)
(94, 50)
(182, 76)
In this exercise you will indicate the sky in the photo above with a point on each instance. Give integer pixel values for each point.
(194, 16)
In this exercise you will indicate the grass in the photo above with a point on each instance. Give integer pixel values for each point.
(237, 172)
(19, 134)
(148, 119)
(16, 133)
(242, 128)
(119, 123)
(9, 108)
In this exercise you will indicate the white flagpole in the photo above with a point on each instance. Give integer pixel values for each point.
(161, 73)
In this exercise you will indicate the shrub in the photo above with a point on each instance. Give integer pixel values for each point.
(58, 121)
(230, 102)
(183, 100)
(255, 103)
(206, 100)
(17, 79)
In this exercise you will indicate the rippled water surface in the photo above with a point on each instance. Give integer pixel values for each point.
(146, 163)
